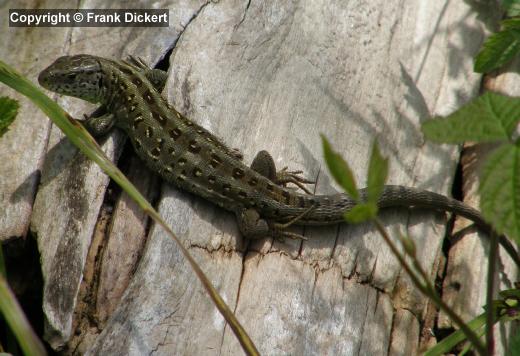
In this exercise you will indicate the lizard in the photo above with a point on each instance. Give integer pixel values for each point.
(193, 159)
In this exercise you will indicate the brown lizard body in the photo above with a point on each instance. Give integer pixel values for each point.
(195, 160)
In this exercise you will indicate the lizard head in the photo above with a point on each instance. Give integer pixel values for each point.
(79, 76)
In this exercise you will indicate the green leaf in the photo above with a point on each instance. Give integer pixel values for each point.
(510, 293)
(377, 174)
(499, 48)
(511, 302)
(8, 112)
(361, 213)
(339, 169)
(500, 190)
(490, 117)
(512, 7)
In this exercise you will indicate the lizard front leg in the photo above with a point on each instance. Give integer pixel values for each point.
(99, 123)
(263, 163)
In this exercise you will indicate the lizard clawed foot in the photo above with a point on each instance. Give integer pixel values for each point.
(278, 228)
(280, 234)
(284, 176)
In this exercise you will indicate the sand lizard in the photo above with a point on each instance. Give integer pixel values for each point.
(193, 159)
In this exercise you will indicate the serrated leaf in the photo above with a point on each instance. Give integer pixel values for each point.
(361, 213)
(339, 169)
(8, 111)
(490, 117)
(377, 174)
(499, 48)
(500, 190)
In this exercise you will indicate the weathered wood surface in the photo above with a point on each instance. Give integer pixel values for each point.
(22, 149)
(262, 75)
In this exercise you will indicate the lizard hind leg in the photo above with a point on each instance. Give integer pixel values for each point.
(251, 225)
(263, 163)
(254, 227)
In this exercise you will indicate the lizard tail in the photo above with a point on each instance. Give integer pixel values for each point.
(331, 208)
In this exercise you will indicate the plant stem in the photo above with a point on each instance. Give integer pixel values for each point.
(508, 247)
(490, 341)
(428, 290)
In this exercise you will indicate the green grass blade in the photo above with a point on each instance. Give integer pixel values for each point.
(448, 343)
(82, 139)
(15, 318)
